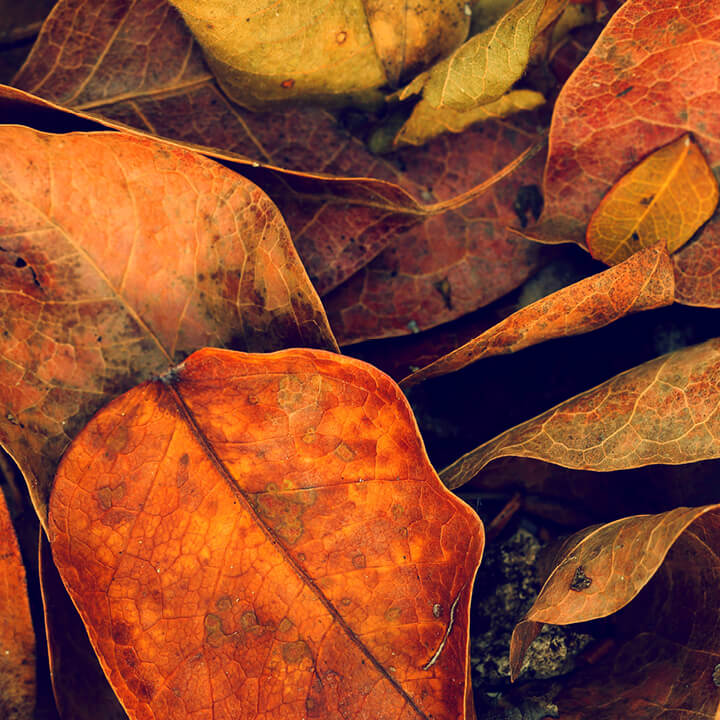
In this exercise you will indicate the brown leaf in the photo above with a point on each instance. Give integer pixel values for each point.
(426, 122)
(118, 257)
(17, 636)
(665, 198)
(80, 688)
(666, 411)
(343, 205)
(667, 567)
(456, 262)
(483, 68)
(644, 281)
(202, 526)
(644, 84)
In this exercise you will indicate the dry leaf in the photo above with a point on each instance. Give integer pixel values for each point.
(666, 566)
(425, 121)
(17, 637)
(665, 198)
(320, 51)
(118, 257)
(485, 67)
(644, 281)
(666, 411)
(263, 535)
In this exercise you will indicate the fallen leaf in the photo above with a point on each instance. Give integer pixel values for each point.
(643, 84)
(666, 566)
(329, 52)
(342, 204)
(118, 257)
(665, 198)
(17, 637)
(455, 262)
(483, 68)
(644, 281)
(426, 122)
(80, 688)
(263, 534)
(665, 411)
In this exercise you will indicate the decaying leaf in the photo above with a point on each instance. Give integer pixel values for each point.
(257, 535)
(666, 566)
(425, 121)
(118, 257)
(80, 688)
(644, 281)
(666, 411)
(483, 68)
(644, 83)
(321, 51)
(665, 198)
(17, 637)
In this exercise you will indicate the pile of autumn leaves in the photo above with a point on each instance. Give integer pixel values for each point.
(246, 534)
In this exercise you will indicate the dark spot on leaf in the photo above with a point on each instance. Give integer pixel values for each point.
(528, 199)
(443, 287)
(20, 263)
(580, 580)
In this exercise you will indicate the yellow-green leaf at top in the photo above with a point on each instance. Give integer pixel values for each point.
(485, 67)
(667, 197)
(426, 122)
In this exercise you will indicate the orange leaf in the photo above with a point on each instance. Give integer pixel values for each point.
(642, 282)
(666, 411)
(665, 198)
(118, 257)
(665, 665)
(263, 535)
(17, 636)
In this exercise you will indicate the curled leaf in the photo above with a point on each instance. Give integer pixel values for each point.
(661, 573)
(642, 282)
(485, 67)
(263, 534)
(425, 121)
(666, 411)
(336, 52)
(665, 198)
(17, 636)
(118, 257)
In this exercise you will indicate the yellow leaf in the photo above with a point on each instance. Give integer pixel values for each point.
(485, 67)
(426, 122)
(665, 198)
(328, 51)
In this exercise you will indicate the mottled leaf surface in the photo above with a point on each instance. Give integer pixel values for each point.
(665, 198)
(263, 535)
(642, 282)
(667, 567)
(643, 85)
(666, 411)
(118, 257)
(17, 636)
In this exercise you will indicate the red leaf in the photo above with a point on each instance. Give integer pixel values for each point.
(644, 83)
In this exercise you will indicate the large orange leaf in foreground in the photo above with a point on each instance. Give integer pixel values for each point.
(262, 536)
(665, 411)
(17, 637)
(118, 257)
(667, 568)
